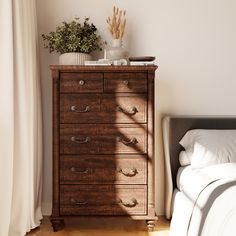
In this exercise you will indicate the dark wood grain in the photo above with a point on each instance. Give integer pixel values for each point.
(150, 140)
(102, 139)
(103, 69)
(81, 82)
(102, 199)
(103, 169)
(56, 148)
(57, 223)
(125, 82)
(103, 142)
(103, 108)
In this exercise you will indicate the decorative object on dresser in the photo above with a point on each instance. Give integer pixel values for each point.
(103, 142)
(74, 41)
(116, 26)
(142, 61)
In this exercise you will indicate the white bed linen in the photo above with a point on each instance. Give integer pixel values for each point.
(205, 204)
(181, 173)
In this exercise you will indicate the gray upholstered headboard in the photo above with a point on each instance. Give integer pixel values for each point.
(174, 129)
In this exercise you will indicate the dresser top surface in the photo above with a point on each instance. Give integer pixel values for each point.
(79, 68)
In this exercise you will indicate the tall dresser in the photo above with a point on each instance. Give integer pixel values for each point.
(103, 142)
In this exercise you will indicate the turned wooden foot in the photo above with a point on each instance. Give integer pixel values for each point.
(57, 224)
(150, 225)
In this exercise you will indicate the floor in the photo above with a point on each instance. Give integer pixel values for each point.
(102, 227)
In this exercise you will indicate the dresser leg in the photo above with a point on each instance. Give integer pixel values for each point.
(150, 225)
(57, 224)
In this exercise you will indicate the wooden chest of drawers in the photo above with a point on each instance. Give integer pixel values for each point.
(103, 147)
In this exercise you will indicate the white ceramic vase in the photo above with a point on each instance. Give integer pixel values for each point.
(116, 51)
(74, 58)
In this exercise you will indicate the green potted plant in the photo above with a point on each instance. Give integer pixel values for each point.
(74, 41)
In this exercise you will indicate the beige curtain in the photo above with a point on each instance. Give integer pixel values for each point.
(20, 119)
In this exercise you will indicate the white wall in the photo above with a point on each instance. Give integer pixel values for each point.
(194, 42)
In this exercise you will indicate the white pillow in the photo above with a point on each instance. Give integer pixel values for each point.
(209, 147)
(185, 158)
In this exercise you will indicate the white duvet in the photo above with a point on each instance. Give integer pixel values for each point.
(206, 202)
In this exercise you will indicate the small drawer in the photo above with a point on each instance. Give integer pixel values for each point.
(103, 108)
(103, 200)
(125, 82)
(103, 139)
(81, 82)
(103, 169)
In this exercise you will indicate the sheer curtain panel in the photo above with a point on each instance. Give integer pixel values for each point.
(20, 119)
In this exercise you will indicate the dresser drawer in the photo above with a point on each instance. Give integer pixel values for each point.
(103, 139)
(125, 82)
(103, 108)
(103, 200)
(81, 82)
(103, 169)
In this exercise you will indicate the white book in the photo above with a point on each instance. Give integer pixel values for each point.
(97, 63)
(142, 63)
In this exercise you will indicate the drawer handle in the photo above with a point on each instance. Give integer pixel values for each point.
(131, 141)
(79, 171)
(76, 140)
(125, 82)
(74, 109)
(132, 173)
(132, 111)
(72, 200)
(132, 203)
(81, 82)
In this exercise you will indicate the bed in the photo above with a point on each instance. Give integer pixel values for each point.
(200, 200)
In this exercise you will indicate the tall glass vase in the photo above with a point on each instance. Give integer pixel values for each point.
(116, 51)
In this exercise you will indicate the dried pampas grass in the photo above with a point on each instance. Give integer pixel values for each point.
(117, 23)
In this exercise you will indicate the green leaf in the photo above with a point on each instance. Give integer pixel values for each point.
(73, 37)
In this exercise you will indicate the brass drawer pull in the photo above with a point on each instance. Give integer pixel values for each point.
(74, 109)
(131, 141)
(72, 200)
(132, 111)
(79, 141)
(81, 82)
(132, 173)
(125, 82)
(78, 170)
(133, 202)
